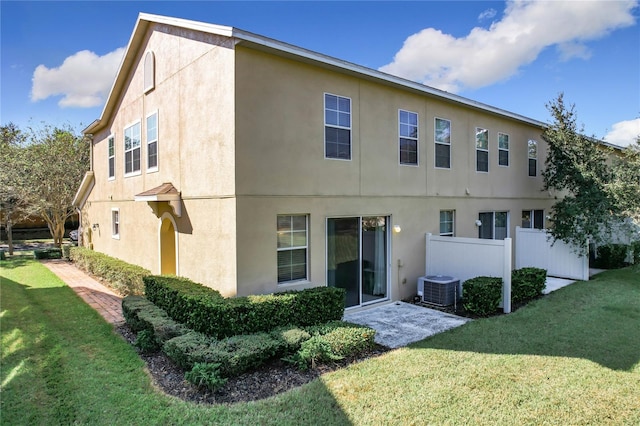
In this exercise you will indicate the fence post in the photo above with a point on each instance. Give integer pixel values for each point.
(506, 277)
(427, 264)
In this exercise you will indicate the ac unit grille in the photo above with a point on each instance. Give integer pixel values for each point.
(438, 290)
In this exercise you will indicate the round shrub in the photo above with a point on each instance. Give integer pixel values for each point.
(481, 295)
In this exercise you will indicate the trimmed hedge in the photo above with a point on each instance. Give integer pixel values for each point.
(611, 256)
(235, 355)
(178, 296)
(123, 277)
(153, 325)
(481, 295)
(2, 257)
(204, 310)
(527, 283)
(48, 253)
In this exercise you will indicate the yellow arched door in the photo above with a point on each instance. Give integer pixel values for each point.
(167, 247)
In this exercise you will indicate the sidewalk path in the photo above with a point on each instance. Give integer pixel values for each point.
(101, 298)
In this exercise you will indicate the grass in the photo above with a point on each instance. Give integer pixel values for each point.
(572, 357)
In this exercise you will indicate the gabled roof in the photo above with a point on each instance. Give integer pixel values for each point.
(281, 49)
(164, 192)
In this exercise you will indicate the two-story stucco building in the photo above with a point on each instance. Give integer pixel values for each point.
(254, 166)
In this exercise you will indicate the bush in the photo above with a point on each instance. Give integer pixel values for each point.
(153, 325)
(222, 318)
(611, 256)
(179, 297)
(332, 341)
(635, 246)
(48, 253)
(206, 375)
(235, 354)
(66, 251)
(2, 257)
(291, 337)
(123, 277)
(482, 295)
(527, 284)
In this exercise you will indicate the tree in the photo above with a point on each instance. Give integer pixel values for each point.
(13, 207)
(46, 168)
(596, 195)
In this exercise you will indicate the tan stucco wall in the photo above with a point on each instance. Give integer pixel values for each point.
(194, 99)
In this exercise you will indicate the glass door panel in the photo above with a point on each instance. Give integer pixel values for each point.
(374, 258)
(343, 257)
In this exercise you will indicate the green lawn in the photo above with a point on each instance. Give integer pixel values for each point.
(572, 357)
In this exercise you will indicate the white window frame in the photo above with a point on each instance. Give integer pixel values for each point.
(337, 126)
(401, 130)
(111, 144)
(532, 218)
(115, 223)
(132, 149)
(292, 248)
(479, 148)
(149, 72)
(503, 149)
(493, 223)
(149, 142)
(436, 143)
(530, 143)
(452, 221)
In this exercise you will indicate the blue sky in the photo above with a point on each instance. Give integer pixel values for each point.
(59, 59)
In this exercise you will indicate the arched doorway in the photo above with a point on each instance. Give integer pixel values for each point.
(168, 242)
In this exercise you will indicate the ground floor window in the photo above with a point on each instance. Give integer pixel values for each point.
(115, 223)
(533, 219)
(447, 223)
(292, 248)
(493, 225)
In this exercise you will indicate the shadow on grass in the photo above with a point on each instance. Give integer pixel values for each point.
(598, 320)
(18, 260)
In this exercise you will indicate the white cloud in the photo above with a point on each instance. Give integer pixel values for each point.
(84, 79)
(486, 56)
(487, 14)
(624, 133)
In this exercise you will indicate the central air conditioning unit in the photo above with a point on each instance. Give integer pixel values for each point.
(441, 290)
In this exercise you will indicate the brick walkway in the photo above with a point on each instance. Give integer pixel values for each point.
(103, 299)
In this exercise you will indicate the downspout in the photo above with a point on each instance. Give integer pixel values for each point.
(89, 137)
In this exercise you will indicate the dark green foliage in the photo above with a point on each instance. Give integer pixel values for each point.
(635, 247)
(481, 295)
(146, 342)
(217, 317)
(331, 342)
(2, 257)
(179, 297)
(118, 274)
(48, 253)
(206, 376)
(153, 325)
(66, 251)
(235, 354)
(527, 284)
(291, 336)
(611, 256)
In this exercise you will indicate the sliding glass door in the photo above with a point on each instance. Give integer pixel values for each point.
(357, 258)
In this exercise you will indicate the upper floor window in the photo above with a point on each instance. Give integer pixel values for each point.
(111, 146)
(447, 223)
(408, 135)
(292, 248)
(115, 223)
(149, 71)
(533, 157)
(337, 127)
(132, 149)
(442, 137)
(493, 225)
(533, 219)
(503, 149)
(482, 150)
(152, 142)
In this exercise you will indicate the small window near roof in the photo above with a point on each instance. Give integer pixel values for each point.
(149, 72)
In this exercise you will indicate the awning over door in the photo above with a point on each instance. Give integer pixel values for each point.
(165, 192)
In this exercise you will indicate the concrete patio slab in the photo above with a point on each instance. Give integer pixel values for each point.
(399, 324)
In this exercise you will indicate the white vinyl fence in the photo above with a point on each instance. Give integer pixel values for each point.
(534, 248)
(465, 258)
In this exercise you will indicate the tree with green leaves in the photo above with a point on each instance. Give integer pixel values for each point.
(46, 168)
(597, 193)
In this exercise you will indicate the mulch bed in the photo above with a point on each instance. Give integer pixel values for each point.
(269, 380)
